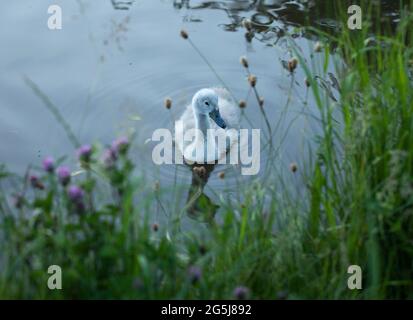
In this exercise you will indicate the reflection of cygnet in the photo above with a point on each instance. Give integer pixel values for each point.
(210, 125)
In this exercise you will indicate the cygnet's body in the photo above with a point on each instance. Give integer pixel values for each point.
(212, 108)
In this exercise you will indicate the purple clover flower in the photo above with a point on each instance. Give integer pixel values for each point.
(48, 164)
(121, 145)
(241, 293)
(84, 153)
(109, 158)
(195, 274)
(63, 174)
(76, 194)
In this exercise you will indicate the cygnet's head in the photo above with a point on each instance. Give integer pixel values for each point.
(205, 102)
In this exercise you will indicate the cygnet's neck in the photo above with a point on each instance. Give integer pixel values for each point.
(204, 136)
(202, 123)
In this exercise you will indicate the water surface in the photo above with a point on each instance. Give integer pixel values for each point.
(114, 62)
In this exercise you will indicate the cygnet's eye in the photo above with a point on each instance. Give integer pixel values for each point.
(206, 103)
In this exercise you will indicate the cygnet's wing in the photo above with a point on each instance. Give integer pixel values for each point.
(187, 122)
(228, 108)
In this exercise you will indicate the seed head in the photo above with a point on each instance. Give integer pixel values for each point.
(307, 82)
(36, 183)
(252, 80)
(293, 167)
(242, 104)
(168, 103)
(221, 175)
(292, 64)
(156, 186)
(318, 47)
(244, 61)
(184, 34)
(155, 227)
(246, 23)
(261, 101)
(249, 36)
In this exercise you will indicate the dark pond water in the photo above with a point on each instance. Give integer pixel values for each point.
(113, 63)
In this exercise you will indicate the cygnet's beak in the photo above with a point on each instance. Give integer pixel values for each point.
(216, 116)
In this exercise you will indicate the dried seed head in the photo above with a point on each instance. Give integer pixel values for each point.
(249, 36)
(155, 227)
(261, 101)
(36, 183)
(293, 167)
(246, 23)
(221, 175)
(252, 80)
(156, 186)
(184, 34)
(292, 64)
(168, 103)
(244, 61)
(318, 46)
(242, 104)
(307, 82)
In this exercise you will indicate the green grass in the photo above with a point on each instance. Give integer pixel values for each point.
(357, 208)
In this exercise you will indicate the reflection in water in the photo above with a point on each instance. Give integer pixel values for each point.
(111, 91)
(271, 17)
(198, 205)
